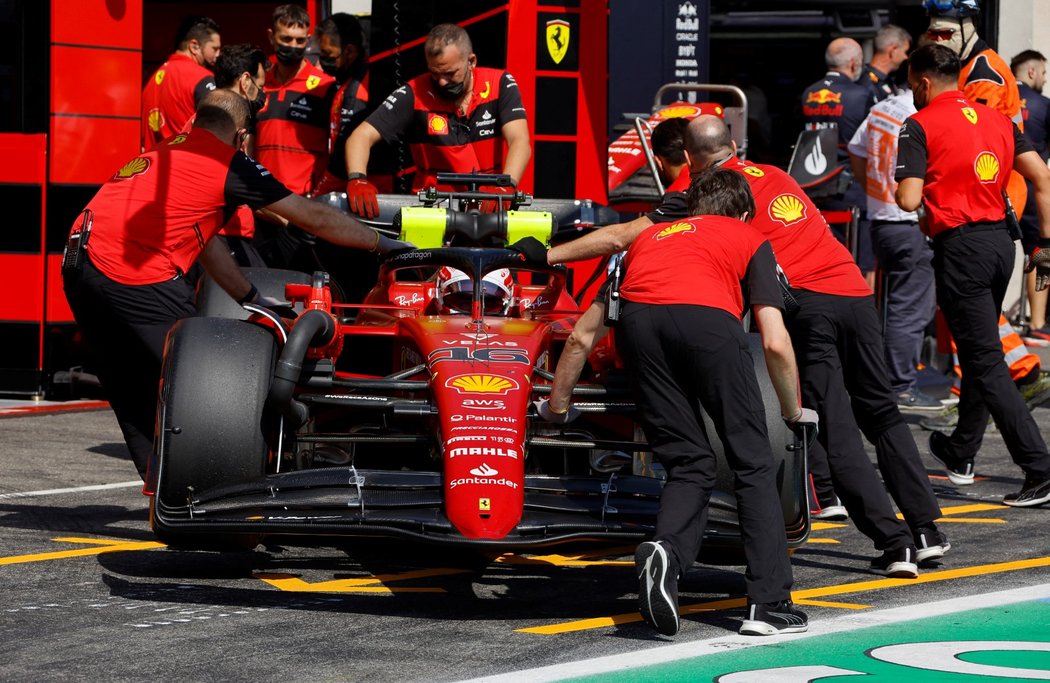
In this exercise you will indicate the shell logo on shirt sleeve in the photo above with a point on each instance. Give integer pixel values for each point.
(437, 124)
(754, 171)
(971, 114)
(136, 166)
(987, 167)
(312, 82)
(155, 120)
(787, 209)
(159, 76)
(674, 229)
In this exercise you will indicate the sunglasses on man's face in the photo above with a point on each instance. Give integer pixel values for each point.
(940, 34)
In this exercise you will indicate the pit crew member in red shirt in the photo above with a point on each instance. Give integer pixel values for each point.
(292, 129)
(682, 343)
(669, 151)
(455, 118)
(149, 223)
(837, 337)
(343, 57)
(173, 91)
(954, 157)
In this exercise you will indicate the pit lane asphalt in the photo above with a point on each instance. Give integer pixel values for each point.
(88, 594)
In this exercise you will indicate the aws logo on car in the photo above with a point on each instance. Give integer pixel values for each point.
(481, 384)
(674, 229)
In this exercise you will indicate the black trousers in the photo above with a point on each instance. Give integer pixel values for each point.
(906, 261)
(124, 327)
(680, 357)
(841, 362)
(973, 265)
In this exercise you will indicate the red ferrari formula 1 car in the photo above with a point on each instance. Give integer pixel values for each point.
(410, 415)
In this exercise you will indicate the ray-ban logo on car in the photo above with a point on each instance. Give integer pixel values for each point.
(481, 384)
(402, 300)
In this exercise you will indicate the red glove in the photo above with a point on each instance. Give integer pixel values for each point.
(361, 197)
(494, 205)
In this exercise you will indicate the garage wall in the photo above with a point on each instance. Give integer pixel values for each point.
(1022, 26)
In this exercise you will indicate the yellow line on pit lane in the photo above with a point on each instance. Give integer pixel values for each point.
(102, 546)
(798, 596)
(293, 584)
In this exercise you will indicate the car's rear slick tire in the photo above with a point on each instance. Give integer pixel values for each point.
(213, 301)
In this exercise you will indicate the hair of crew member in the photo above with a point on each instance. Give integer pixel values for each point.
(954, 157)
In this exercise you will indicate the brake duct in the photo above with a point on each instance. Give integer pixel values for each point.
(314, 328)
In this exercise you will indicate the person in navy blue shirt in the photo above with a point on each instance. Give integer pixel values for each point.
(1029, 68)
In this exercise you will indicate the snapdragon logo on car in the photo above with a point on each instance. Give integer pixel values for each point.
(483, 475)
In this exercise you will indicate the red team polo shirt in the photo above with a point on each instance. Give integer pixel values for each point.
(154, 216)
(964, 151)
(291, 130)
(440, 139)
(804, 246)
(170, 98)
(715, 259)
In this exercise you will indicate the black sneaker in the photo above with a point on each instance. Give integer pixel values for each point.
(959, 471)
(913, 399)
(772, 618)
(897, 564)
(657, 586)
(930, 544)
(1036, 491)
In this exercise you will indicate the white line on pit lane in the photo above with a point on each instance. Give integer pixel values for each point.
(76, 489)
(730, 643)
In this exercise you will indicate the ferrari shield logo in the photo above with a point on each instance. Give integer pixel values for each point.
(557, 39)
(970, 114)
(312, 82)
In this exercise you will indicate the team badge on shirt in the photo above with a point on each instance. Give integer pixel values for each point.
(312, 82)
(484, 94)
(787, 209)
(971, 114)
(674, 229)
(754, 172)
(178, 139)
(437, 124)
(159, 76)
(987, 167)
(155, 119)
(135, 167)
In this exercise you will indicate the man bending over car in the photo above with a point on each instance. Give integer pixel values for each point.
(127, 256)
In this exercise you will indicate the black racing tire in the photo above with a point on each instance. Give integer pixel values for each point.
(791, 468)
(213, 301)
(214, 427)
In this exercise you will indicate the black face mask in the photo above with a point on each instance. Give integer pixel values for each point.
(288, 55)
(258, 103)
(329, 66)
(451, 91)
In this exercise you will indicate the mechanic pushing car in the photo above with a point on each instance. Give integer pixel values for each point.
(454, 118)
(124, 266)
(682, 343)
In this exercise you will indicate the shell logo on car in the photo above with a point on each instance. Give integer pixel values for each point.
(481, 384)
(437, 124)
(675, 229)
(987, 167)
(134, 167)
(971, 114)
(787, 209)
